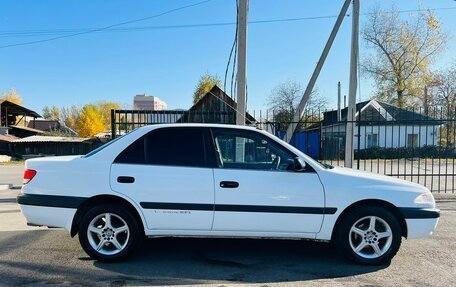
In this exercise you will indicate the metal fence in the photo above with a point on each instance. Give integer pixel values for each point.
(414, 145)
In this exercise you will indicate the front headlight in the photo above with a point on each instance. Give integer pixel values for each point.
(425, 198)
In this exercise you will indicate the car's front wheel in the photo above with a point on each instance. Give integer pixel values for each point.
(109, 233)
(370, 235)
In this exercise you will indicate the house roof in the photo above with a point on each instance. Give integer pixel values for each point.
(216, 101)
(377, 111)
(8, 138)
(16, 109)
(27, 129)
(44, 125)
(51, 139)
(51, 125)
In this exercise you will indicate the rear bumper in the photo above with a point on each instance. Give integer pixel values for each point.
(48, 216)
(52, 211)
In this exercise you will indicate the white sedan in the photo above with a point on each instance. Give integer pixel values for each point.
(209, 180)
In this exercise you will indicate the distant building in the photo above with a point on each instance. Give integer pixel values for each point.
(149, 103)
(54, 126)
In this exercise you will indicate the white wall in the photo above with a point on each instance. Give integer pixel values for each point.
(389, 135)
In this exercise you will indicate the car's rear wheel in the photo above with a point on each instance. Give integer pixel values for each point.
(109, 233)
(370, 235)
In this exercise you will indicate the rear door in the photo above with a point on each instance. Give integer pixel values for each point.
(256, 190)
(167, 173)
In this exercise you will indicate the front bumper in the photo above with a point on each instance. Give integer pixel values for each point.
(421, 222)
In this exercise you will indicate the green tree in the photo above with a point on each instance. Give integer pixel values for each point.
(403, 50)
(51, 113)
(205, 84)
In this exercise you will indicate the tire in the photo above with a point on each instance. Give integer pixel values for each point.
(355, 232)
(115, 241)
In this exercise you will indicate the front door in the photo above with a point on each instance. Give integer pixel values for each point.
(257, 190)
(166, 172)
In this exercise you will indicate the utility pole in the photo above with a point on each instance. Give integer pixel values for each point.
(338, 102)
(297, 115)
(351, 111)
(242, 61)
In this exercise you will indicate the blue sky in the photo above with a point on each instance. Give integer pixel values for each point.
(167, 63)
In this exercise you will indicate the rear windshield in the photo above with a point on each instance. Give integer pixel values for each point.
(98, 149)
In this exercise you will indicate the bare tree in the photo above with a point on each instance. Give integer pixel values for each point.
(403, 50)
(283, 102)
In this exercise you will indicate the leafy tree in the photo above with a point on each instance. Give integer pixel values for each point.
(91, 121)
(403, 50)
(11, 96)
(105, 109)
(205, 84)
(70, 116)
(283, 102)
(51, 113)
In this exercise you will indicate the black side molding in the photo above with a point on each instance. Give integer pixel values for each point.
(50, 200)
(238, 208)
(419, 213)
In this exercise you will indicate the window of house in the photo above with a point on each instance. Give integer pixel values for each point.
(412, 140)
(250, 150)
(168, 146)
(372, 140)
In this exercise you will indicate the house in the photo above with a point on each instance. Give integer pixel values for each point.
(214, 107)
(37, 146)
(13, 119)
(5, 144)
(379, 124)
(54, 126)
(143, 102)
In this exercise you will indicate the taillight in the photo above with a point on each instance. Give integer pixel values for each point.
(29, 174)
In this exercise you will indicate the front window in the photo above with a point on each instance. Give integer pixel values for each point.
(250, 150)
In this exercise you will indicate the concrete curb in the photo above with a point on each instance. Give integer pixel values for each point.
(5, 186)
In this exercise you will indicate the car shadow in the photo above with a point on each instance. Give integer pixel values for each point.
(239, 260)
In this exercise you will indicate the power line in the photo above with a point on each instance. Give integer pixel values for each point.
(115, 28)
(231, 51)
(111, 28)
(108, 27)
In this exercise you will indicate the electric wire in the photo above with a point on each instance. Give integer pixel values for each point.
(108, 27)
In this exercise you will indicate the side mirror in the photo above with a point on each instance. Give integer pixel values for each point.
(299, 164)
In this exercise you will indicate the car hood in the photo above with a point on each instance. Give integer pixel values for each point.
(371, 180)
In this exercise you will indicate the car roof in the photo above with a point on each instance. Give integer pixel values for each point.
(156, 126)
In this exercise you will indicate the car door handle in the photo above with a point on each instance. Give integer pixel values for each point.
(125, 179)
(229, 184)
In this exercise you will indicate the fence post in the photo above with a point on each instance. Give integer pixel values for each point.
(113, 124)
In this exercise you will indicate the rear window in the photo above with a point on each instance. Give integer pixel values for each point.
(98, 149)
(167, 146)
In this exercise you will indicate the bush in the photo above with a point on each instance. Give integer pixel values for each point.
(406, 152)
